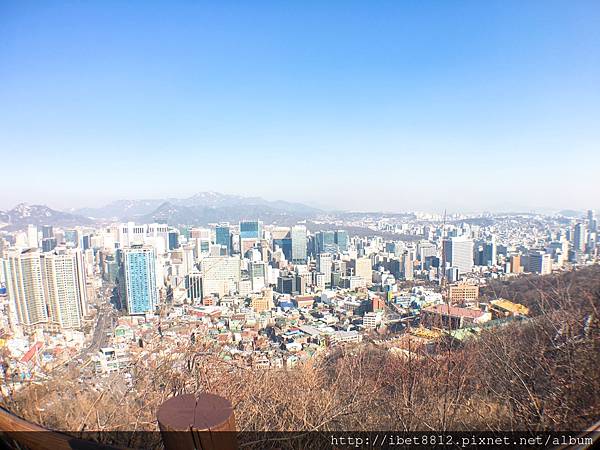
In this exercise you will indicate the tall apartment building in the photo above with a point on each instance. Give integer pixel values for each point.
(63, 271)
(141, 292)
(46, 290)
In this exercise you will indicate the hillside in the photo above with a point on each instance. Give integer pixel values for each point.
(539, 375)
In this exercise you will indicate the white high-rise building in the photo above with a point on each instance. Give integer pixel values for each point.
(32, 236)
(324, 261)
(458, 252)
(46, 290)
(64, 285)
(23, 274)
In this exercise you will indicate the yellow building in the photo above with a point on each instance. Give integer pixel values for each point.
(505, 308)
(264, 302)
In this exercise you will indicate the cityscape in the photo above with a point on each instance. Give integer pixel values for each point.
(275, 225)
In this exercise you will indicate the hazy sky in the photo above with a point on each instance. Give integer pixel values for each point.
(367, 105)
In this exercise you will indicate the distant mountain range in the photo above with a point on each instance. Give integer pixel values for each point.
(201, 208)
(23, 214)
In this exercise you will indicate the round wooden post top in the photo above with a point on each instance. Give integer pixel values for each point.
(202, 412)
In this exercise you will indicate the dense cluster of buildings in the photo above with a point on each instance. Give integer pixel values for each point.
(269, 295)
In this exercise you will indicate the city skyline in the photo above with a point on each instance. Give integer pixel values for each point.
(81, 209)
(344, 106)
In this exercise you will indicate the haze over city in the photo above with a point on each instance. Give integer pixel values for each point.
(342, 105)
(330, 224)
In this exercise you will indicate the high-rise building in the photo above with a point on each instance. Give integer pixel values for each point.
(250, 234)
(458, 252)
(173, 239)
(23, 275)
(139, 263)
(341, 240)
(46, 290)
(47, 232)
(223, 237)
(258, 275)
(193, 284)
(425, 249)
(407, 265)
(538, 261)
(324, 261)
(48, 244)
(71, 238)
(579, 237)
(220, 275)
(592, 223)
(363, 268)
(63, 272)
(489, 253)
(299, 244)
(325, 242)
(32, 236)
(515, 264)
(285, 244)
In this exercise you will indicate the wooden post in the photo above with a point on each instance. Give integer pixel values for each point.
(206, 422)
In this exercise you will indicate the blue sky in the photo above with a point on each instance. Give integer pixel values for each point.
(372, 105)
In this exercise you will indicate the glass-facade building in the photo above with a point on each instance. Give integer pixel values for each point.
(140, 279)
(250, 230)
(299, 244)
(223, 237)
(341, 240)
(285, 245)
(326, 242)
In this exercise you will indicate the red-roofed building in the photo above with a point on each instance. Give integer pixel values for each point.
(32, 352)
(304, 301)
(442, 316)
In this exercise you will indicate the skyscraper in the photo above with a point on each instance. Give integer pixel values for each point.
(47, 232)
(63, 273)
(250, 234)
(48, 244)
(173, 239)
(538, 261)
(139, 263)
(223, 237)
(458, 252)
(71, 238)
(592, 223)
(32, 236)
(299, 244)
(341, 240)
(324, 261)
(325, 241)
(46, 290)
(579, 237)
(23, 274)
